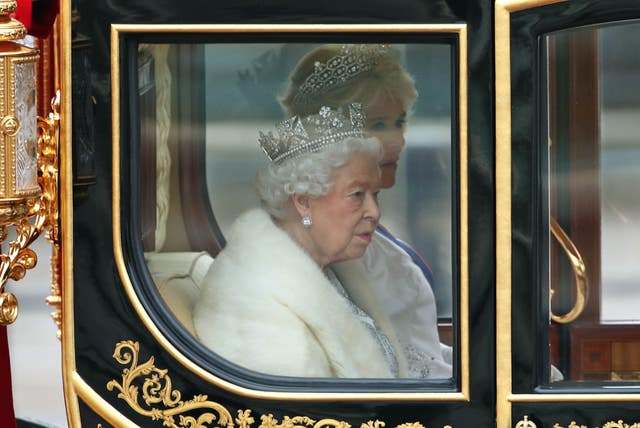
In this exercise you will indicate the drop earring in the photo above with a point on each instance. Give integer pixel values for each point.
(307, 222)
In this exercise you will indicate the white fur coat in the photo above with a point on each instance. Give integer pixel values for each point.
(266, 305)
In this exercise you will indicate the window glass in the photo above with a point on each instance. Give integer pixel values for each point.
(620, 172)
(203, 107)
(593, 202)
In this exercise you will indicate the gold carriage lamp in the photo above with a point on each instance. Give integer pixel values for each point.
(25, 191)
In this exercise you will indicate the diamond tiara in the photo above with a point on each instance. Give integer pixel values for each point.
(309, 134)
(352, 61)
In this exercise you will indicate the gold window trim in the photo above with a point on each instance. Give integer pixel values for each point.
(505, 396)
(62, 79)
(458, 29)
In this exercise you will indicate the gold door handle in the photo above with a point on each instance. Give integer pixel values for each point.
(579, 272)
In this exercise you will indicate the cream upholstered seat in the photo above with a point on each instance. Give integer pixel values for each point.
(178, 277)
(176, 271)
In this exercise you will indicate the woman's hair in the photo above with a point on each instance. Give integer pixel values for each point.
(386, 77)
(309, 174)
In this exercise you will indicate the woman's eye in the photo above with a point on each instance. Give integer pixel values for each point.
(358, 194)
(377, 126)
(400, 124)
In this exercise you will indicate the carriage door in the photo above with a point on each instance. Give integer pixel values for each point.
(172, 96)
(568, 174)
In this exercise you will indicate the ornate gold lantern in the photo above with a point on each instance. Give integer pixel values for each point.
(28, 152)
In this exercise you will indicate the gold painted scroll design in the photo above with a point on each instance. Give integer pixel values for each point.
(612, 424)
(148, 391)
(160, 400)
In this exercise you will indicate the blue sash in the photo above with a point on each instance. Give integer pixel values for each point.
(417, 258)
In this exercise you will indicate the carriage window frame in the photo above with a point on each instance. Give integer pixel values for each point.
(125, 40)
(521, 244)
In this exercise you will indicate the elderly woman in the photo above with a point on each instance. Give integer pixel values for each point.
(370, 74)
(284, 297)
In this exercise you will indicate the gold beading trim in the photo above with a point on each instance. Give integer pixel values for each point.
(11, 210)
(11, 29)
(145, 382)
(55, 298)
(5, 102)
(8, 6)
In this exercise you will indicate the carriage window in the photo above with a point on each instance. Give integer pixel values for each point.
(594, 202)
(357, 288)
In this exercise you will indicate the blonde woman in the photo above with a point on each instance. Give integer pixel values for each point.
(370, 74)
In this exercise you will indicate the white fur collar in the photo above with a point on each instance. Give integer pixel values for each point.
(261, 262)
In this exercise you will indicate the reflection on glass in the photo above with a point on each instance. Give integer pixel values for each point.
(620, 174)
(243, 84)
(594, 156)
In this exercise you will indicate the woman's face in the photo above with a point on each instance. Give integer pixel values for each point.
(344, 219)
(386, 120)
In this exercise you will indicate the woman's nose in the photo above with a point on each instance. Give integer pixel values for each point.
(394, 140)
(372, 210)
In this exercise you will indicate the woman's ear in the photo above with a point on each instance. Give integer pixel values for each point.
(301, 204)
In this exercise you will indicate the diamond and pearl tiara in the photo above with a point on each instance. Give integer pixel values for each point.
(352, 61)
(309, 134)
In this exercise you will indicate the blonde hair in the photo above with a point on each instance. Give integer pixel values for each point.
(386, 78)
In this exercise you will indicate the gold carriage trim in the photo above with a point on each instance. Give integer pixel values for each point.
(148, 391)
(612, 424)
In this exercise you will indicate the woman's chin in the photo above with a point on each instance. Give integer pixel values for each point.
(388, 176)
(357, 250)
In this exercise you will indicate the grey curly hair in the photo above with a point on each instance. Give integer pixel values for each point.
(310, 174)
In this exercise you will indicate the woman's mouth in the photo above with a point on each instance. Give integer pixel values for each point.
(389, 163)
(365, 236)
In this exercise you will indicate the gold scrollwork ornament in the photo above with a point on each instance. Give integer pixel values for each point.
(8, 308)
(612, 424)
(620, 424)
(573, 424)
(245, 420)
(156, 390)
(148, 391)
(30, 218)
(49, 130)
